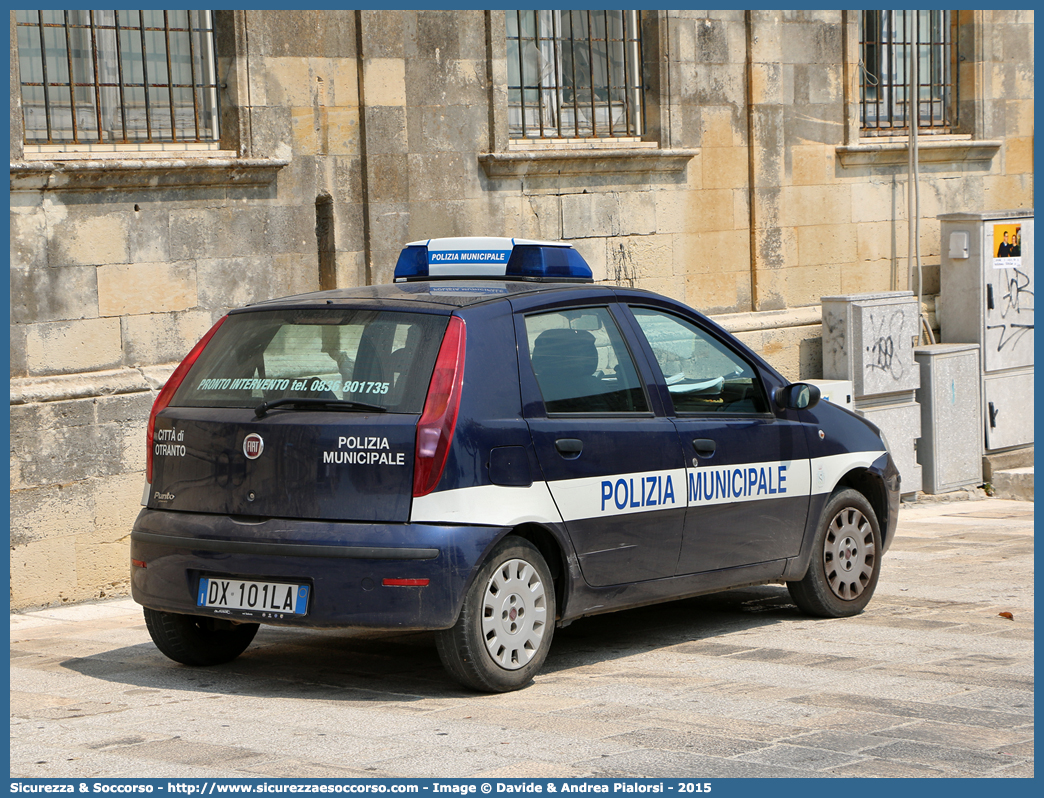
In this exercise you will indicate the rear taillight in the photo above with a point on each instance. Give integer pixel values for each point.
(439, 419)
(167, 393)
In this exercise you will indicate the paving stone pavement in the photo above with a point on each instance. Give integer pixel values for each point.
(930, 681)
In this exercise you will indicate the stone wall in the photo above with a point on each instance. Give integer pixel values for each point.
(114, 280)
(346, 134)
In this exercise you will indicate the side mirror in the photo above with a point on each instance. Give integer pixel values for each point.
(798, 396)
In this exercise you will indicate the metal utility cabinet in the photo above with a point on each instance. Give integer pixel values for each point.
(986, 298)
(868, 339)
(950, 449)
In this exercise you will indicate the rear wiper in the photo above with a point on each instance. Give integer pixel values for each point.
(328, 404)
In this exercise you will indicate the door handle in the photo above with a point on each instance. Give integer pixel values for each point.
(704, 446)
(569, 448)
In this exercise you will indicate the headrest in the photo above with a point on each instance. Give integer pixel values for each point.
(563, 350)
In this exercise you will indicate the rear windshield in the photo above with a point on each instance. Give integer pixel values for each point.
(369, 356)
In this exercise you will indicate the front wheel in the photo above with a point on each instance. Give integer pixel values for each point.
(846, 559)
(197, 640)
(504, 630)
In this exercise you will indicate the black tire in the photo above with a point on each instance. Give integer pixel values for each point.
(504, 630)
(846, 559)
(195, 640)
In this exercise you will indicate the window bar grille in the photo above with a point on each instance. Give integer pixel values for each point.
(909, 45)
(895, 49)
(931, 74)
(911, 31)
(556, 61)
(572, 59)
(539, 71)
(119, 73)
(207, 41)
(85, 41)
(626, 94)
(903, 80)
(97, 76)
(145, 76)
(591, 61)
(170, 74)
(521, 72)
(953, 59)
(46, 86)
(196, 79)
(865, 75)
(889, 42)
(639, 78)
(883, 62)
(72, 83)
(941, 73)
(600, 89)
(609, 72)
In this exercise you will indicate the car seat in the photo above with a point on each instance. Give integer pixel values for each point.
(565, 362)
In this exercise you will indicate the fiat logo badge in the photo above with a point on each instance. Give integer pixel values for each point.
(253, 445)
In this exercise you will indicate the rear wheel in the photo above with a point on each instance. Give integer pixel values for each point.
(846, 559)
(503, 633)
(196, 640)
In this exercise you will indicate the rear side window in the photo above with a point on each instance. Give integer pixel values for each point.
(375, 357)
(582, 364)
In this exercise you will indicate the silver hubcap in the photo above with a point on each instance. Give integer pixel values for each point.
(514, 614)
(849, 553)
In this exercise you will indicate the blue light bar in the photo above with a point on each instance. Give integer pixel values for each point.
(486, 258)
(412, 263)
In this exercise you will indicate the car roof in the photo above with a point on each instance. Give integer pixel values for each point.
(435, 293)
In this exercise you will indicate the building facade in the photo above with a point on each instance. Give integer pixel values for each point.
(166, 167)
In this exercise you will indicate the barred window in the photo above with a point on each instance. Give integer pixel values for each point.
(888, 42)
(117, 77)
(574, 74)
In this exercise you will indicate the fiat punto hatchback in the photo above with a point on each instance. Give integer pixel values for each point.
(491, 447)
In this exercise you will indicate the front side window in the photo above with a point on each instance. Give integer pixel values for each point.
(574, 74)
(702, 374)
(582, 364)
(117, 77)
(377, 358)
(889, 41)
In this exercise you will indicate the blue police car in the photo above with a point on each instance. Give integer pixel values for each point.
(490, 447)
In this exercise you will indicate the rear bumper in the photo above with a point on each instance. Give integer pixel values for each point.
(344, 563)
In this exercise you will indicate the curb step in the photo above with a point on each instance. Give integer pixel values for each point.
(1013, 483)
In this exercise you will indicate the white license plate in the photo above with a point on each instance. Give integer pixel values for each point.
(261, 597)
